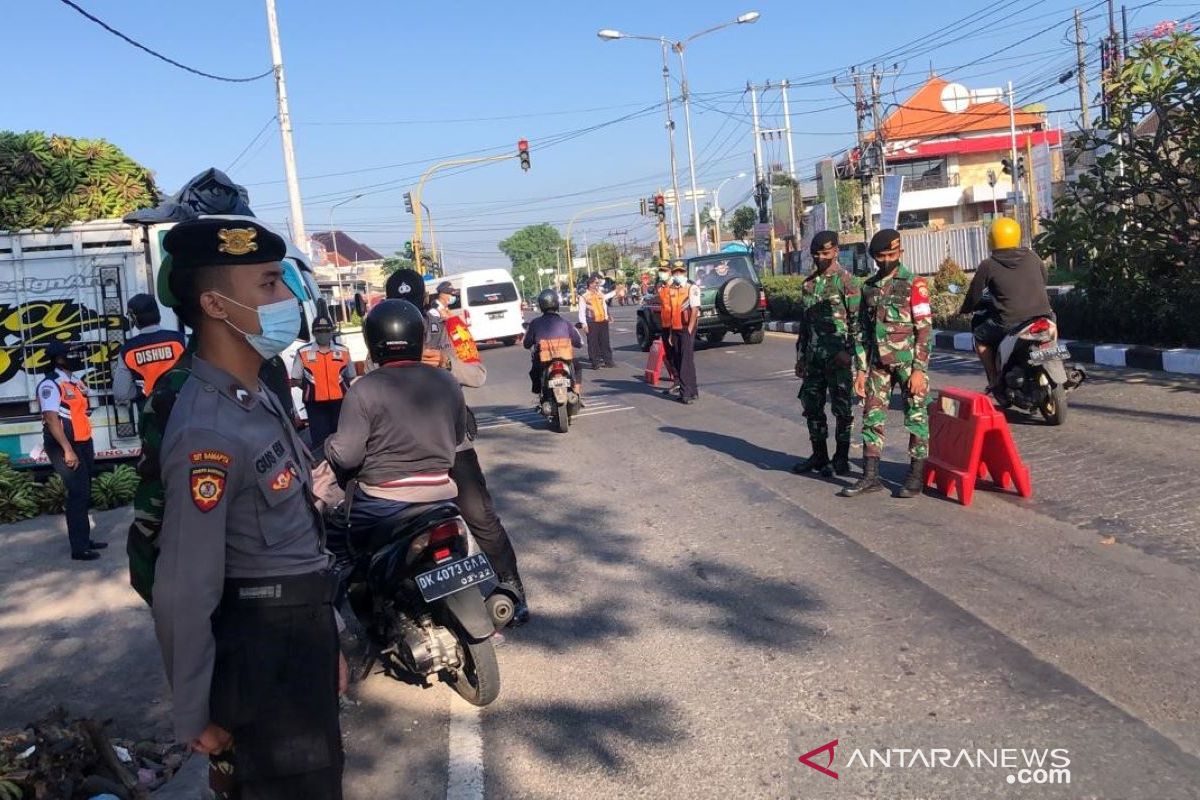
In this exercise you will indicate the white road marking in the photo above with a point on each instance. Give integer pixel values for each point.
(622, 330)
(532, 415)
(465, 778)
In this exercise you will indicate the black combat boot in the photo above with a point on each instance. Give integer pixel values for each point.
(841, 456)
(869, 481)
(914, 483)
(819, 460)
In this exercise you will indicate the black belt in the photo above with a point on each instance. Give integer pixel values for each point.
(312, 588)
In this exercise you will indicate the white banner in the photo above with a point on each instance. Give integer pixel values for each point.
(1043, 179)
(889, 209)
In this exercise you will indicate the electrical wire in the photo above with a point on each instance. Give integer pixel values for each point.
(159, 55)
(246, 149)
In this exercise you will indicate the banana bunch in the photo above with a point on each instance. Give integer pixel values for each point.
(114, 489)
(18, 494)
(10, 791)
(52, 499)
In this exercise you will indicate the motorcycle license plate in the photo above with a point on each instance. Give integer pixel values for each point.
(454, 577)
(559, 383)
(1040, 356)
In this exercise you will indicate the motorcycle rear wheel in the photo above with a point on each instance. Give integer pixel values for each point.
(1054, 407)
(562, 417)
(478, 679)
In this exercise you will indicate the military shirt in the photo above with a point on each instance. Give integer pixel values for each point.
(236, 481)
(897, 321)
(829, 303)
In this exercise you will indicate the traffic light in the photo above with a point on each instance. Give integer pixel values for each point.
(408, 202)
(523, 152)
(1006, 166)
(1020, 167)
(408, 250)
(643, 209)
(660, 207)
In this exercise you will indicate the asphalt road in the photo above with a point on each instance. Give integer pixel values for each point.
(703, 618)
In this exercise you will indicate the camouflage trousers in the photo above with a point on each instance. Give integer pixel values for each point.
(823, 377)
(880, 381)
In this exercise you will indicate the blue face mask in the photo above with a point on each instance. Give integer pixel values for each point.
(680, 280)
(280, 324)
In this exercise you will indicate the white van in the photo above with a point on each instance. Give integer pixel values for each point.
(489, 303)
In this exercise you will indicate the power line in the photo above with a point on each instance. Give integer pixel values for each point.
(159, 55)
(246, 149)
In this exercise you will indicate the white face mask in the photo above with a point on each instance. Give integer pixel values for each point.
(679, 279)
(279, 323)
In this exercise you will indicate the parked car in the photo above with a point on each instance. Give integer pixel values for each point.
(732, 301)
(489, 304)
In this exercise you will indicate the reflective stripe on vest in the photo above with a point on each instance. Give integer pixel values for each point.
(150, 362)
(597, 307)
(323, 373)
(550, 349)
(74, 409)
(673, 298)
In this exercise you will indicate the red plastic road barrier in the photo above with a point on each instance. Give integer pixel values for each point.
(970, 439)
(654, 363)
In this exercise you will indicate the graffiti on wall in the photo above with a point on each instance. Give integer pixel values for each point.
(26, 329)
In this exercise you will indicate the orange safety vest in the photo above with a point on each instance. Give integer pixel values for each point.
(150, 362)
(597, 306)
(672, 313)
(323, 373)
(74, 408)
(550, 349)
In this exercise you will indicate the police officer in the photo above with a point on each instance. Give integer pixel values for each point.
(680, 317)
(829, 299)
(67, 438)
(897, 332)
(323, 370)
(242, 594)
(594, 319)
(144, 358)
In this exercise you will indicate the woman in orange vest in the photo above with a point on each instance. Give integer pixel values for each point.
(67, 437)
(594, 319)
(324, 370)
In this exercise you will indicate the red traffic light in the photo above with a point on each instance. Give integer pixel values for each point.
(523, 153)
(522, 146)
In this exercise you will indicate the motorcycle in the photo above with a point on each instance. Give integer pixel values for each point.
(559, 401)
(413, 582)
(1033, 375)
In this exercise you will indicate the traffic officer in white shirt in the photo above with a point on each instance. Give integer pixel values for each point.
(594, 321)
(67, 438)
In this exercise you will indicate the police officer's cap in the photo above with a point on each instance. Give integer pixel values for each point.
(406, 284)
(678, 266)
(322, 325)
(446, 287)
(821, 240)
(214, 242)
(886, 239)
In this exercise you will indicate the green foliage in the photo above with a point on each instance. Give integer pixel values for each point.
(849, 194)
(949, 272)
(783, 295)
(531, 248)
(742, 222)
(114, 489)
(1133, 224)
(355, 320)
(945, 309)
(604, 256)
(52, 496)
(52, 181)
(396, 262)
(18, 493)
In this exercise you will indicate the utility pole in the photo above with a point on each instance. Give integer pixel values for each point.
(666, 73)
(1012, 130)
(787, 130)
(1081, 72)
(760, 193)
(863, 174)
(877, 118)
(285, 134)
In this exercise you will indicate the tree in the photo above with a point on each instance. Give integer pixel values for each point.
(52, 181)
(604, 256)
(849, 194)
(532, 248)
(1132, 224)
(397, 261)
(742, 222)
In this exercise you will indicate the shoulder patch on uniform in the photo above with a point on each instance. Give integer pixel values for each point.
(208, 487)
(920, 289)
(210, 457)
(919, 299)
(284, 479)
(46, 392)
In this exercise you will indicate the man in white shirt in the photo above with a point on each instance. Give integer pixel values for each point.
(594, 319)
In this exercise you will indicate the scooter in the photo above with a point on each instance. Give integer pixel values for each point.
(413, 582)
(1033, 375)
(559, 400)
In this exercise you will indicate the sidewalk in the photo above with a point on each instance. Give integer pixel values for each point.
(1177, 359)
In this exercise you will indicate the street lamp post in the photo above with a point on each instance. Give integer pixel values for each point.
(717, 212)
(337, 270)
(678, 46)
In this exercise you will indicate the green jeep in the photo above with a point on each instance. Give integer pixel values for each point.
(732, 301)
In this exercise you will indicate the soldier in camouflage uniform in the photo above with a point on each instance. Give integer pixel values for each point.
(894, 349)
(829, 329)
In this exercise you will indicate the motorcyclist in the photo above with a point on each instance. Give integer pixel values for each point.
(400, 424)
(1015, 279)
(550, 336)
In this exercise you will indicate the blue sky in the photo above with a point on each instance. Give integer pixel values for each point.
(379, 89)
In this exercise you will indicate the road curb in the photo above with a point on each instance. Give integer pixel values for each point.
(1122, 356)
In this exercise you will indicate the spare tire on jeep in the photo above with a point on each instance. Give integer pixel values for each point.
(738, 297)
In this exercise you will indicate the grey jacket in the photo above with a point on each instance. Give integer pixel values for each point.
(398, 421)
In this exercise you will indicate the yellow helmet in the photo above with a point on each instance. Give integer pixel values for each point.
(1005, 233)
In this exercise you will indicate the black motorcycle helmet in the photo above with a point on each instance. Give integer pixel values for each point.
(547, 301)
(394, 330)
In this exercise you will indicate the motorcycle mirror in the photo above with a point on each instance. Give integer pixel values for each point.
(525, 325)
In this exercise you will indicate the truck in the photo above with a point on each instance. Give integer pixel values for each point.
(71, 285)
